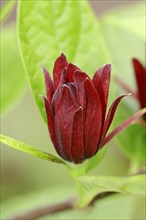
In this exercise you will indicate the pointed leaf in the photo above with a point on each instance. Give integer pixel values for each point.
(29, 149)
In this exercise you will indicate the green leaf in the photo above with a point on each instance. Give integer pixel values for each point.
(13, 81)
(29, 149)
(6, 9)
(124, 34)
(133, 207)
(129, 18)
(49, 28)
(132, 140)
(92, 185)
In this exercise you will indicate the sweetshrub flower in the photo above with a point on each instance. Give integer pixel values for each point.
(76, 109)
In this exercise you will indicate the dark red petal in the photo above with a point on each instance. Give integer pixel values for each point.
(110, 115)
(77, 143)
(58, 93)
(97, 76)
(70, 72)
(64, 122)
(50, 119)
(132, 119)
(93, 119)
(74, 90)
(49, 85)
(79, 78)
(60, 64)
(101, 82)
(140, 74)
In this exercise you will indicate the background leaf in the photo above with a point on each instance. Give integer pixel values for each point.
(129, 19)
(132, 141)
(127, 206)
(58, 30)
(124, 34)
(92, 185)
(13, 82)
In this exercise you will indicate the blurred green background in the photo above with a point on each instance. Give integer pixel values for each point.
(22, 173)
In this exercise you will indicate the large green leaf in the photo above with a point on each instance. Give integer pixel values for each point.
(124, 34)
(49, 28)
(92, 185)
(28, 149)
(13, 80)
(108, 208)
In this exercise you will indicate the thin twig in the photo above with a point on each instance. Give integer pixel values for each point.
(63, 206)
(45, 210)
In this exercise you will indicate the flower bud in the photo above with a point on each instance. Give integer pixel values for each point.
(76, 109)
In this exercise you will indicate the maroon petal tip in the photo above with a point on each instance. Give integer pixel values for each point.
(135, 60)
(62, 54)
(109, 66)
(43, 69)
(43, 98)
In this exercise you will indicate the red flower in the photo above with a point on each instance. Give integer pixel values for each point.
(76, 109)
(140, 76)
